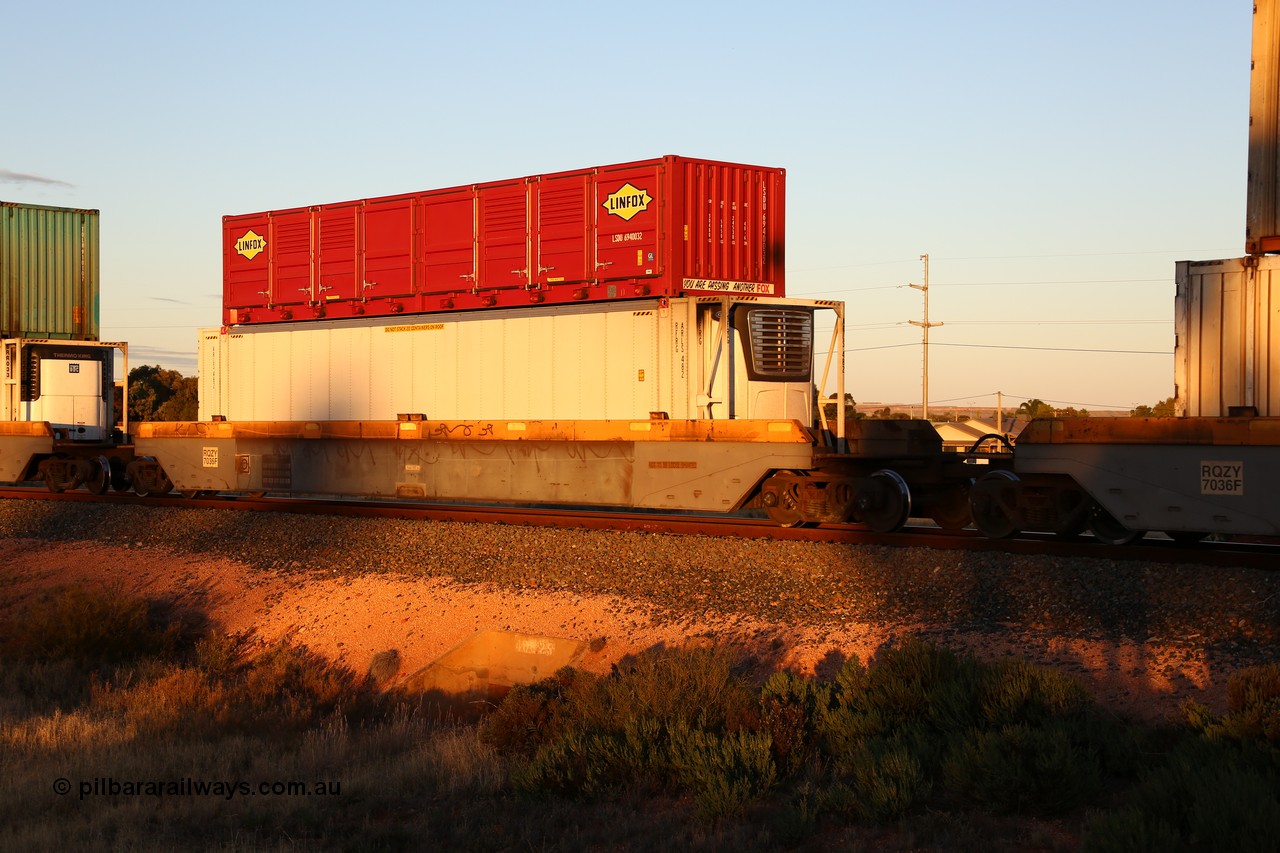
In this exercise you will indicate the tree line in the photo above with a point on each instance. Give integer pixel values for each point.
(156, 394)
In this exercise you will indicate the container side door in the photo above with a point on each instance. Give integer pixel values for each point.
(628, 239)
(561, 229)
(290, 250)
(246, 263)
(388, 249)
(447, 242)
(504, 237)
(338, 268)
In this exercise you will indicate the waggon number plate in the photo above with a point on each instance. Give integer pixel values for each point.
(1222, 478)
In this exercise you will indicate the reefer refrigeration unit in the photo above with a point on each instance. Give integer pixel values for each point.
(690, 357)
(70, 385)
(49, 279)
(665, 227)
(1227, 320)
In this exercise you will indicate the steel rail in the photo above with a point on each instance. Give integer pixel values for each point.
(1262, 555)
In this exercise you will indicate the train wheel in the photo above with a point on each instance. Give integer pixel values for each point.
(993, 515)
(1108, 530)
(98, 476)
(951, 511)
(887, 505)
(782, 501)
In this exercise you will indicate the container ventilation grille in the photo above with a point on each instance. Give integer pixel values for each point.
(781, 343)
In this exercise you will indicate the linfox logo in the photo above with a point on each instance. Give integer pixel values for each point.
(627, 201)
(251, 244)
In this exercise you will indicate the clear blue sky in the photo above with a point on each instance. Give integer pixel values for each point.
(1053, 159)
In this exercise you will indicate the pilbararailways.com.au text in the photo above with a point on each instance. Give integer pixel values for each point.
(109, 786)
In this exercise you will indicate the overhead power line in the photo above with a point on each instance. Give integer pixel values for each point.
(1059, 349)
(1009, 346)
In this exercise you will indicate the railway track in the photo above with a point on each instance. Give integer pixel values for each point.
(1260, 555)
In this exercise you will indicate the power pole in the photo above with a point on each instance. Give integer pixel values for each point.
(926, 326)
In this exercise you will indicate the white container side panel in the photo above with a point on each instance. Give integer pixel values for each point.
(566, 362)
(539, 392)
(352, 381)
(1227, 319)
(301, 360)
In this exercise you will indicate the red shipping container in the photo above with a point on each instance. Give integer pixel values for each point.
(663, 227)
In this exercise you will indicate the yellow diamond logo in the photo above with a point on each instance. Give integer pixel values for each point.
(251, 244)
(627, 201)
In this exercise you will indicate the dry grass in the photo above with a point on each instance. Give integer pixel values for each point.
(687, 749)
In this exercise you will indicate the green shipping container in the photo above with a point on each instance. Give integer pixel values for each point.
(49, 279)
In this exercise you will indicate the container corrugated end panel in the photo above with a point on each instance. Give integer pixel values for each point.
(1262, 223)
(1226, 353)
(49, 272)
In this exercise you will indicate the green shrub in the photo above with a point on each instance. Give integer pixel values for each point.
(1017, 691)
(918, 681)
(90, 627)
(1253, 704)
(888, 780)
(791, 712)
(1021, 767)
(697, 686)
(1129, 830)
(725, 772)
(290, 688)
(596, 764)
(1208, 793)
(525, 720)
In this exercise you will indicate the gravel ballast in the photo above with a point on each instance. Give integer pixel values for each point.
(1161, 633)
